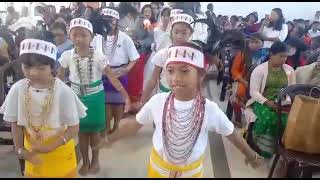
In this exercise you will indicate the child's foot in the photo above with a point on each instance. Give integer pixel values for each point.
(94, 168)
(83, 171)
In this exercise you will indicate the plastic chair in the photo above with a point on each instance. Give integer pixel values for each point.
(302, 161)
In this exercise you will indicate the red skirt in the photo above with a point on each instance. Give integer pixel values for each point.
(135, 78)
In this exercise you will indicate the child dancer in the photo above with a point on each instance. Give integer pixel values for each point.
(180, 33)
(183, 118)
(44, 114)
(86, 68)
(121, 55)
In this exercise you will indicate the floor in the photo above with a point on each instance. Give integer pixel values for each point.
(129, 157)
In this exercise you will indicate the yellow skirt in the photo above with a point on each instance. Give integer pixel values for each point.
(59, 163)
(158, 168)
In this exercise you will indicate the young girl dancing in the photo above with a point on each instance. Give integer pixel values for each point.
(44, 114)
(121, 56)
(86, 67)
(183, 119)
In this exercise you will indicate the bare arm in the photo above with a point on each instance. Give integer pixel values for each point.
(117, 84)
(251, 156)
(128, 127)
(131, 64)
(151, 84)
(17, 135)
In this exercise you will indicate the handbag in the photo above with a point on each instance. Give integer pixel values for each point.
(302, 132)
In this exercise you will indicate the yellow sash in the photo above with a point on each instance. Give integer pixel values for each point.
(158, 168)
(59, 163)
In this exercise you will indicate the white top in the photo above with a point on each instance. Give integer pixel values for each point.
(200, 31)
(269, 32)
(99, 64)
(124, 52)
(160, 60)
(157, 33)
(164, 41)
(214, 120)
(313, 34)
(66, 110)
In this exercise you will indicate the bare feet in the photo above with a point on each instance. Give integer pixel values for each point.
(94, 167)
(83, 171)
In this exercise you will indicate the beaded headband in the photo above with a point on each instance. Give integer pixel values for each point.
(182, 18)
(38, 47)
(184, 54)
(175, 12)
(110, 12)
(80, 22)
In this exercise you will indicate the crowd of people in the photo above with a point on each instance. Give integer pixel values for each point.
(91, 64)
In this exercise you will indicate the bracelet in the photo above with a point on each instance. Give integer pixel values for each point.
(64, 140)
(255, 157)
(20, 151)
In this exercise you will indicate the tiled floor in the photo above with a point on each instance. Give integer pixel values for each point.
(129, 157)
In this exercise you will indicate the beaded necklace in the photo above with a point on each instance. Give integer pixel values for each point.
(81, 75)
(181, 128)
(37, 132)
(113, 47)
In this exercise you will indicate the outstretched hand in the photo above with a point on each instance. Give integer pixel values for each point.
(257, 162)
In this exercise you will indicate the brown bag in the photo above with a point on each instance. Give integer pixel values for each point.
(302, 132)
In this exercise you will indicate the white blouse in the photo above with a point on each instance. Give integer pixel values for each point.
(99, 64)
(269, 32)
(214, 120)
(125, 50)
(66, 109)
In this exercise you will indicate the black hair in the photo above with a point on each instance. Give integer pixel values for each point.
(301, 31)
(210, 6)
(32, 59)
(258, 36)
(291, 23)
(59, 25)
(164, 11)
(278, 24)
(236, 18)
(125, 8)
(153, 18)
(278, 47)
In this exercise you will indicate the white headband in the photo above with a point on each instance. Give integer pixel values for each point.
(38, 47)
(184, 54)
(110, 12)
(175, 11)
(80, 22)
(182, 18)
